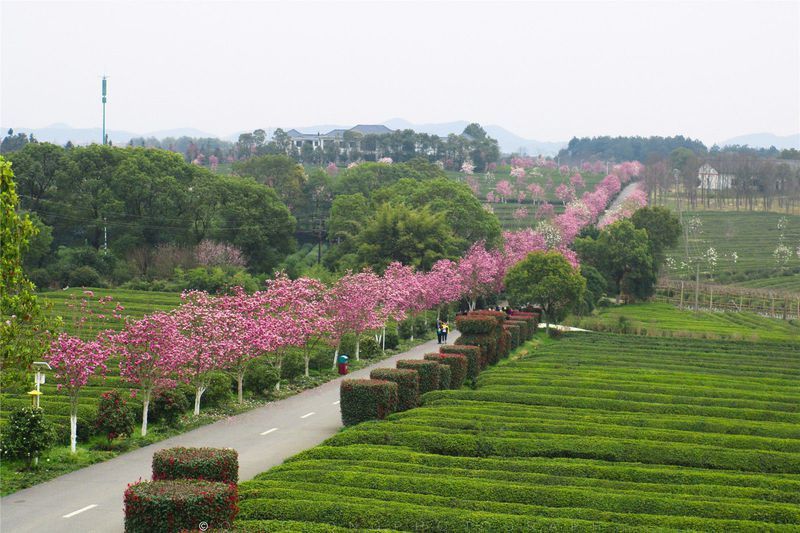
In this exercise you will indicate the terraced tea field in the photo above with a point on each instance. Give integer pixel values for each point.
(752, 237)
(663, 319)
(594, 432)
(55, 403)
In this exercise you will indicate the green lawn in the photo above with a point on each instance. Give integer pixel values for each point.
(661, 319)
(594, 432)
(752, 237)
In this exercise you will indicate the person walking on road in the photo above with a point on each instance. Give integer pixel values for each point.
(445, 331)
(439, 332)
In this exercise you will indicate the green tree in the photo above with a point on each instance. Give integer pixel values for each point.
(547, 279)
(596, 285)
(663, 229)
(280, 172)
(27, 434)
(414, 237)
(349, 213)
(24, 328)
(623, 254)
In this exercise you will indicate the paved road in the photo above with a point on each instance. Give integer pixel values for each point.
(90, 499)
(623, 194)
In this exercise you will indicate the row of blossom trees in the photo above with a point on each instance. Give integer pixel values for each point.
(207, 333)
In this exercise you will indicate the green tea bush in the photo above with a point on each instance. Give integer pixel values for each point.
(178, 505)
(367, 399)
(407, 385)
(428, 373)
(26, 434)
(210, 464)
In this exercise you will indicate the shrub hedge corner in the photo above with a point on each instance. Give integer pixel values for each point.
(428, 373)
(472, 353)
(456, 362)
(407, 385)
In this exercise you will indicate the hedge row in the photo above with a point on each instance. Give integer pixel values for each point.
(457, 364)
(473, 355)
(428, 373)
(210, 464)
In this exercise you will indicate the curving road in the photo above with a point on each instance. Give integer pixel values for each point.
(90, 499)
(623, 194)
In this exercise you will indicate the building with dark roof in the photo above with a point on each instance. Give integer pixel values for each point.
(337, 136)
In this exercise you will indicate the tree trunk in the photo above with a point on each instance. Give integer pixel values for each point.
(239, 381)
(278, 366)
(358, 346)
(73, 426)
(336, 354)
(145, 406)
(197, 395)
(383, 339)
(306, 359)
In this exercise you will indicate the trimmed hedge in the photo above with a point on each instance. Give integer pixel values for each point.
(514, 333)
(177, 505)
(407, 385)
(473, 355)
(474, 324)
(457, 364)
(210, 464)
(367, 399)
(445, 376)
(524, 331)
(428, 373)
(487, 344)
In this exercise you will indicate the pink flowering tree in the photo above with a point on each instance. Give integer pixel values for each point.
(332, 169)
(303, 306)
(213, 162)
(563, 170)
(490, 197)
(212, 253)
(520, 214)
(577, 181)
(149, 355)
(565, 193)
(545, 211)
(353, 307)
(521, 196)
(504, 190)
(477, 270)
(467, 168)
(472, 183)
(209, 339)
(394, 293)
(73, 362)
(536, 191)
(445, 284)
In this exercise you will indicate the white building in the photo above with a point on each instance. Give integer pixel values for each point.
(711, 180)
(319, 140)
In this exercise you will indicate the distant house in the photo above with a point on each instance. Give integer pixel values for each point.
(711, 180)
(345, 140)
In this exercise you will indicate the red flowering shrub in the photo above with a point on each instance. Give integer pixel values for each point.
(210, 464)
(457, 364)
(367, 399)
(178, 505)
(473, 355)
(445, 376)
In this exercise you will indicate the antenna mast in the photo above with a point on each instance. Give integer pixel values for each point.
(104, 108)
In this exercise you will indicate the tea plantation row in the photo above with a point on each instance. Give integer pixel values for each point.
(593, 432)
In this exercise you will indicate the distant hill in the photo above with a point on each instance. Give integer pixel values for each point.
(765, 140)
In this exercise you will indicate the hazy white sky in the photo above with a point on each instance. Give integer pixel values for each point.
(544, 70)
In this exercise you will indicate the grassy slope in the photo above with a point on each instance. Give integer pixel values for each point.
(661, 319)
(754, 237)
(594, 432)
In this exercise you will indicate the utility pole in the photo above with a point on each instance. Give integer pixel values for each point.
(104, 108)
(105, 236)
(696, 286)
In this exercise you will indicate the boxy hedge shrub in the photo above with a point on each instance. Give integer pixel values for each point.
(457, 364)
(407, 385)
(179, 505)
(473, 355)
(367, 399)
(445, 376)
(525, 333)
(474, 324)
(488, 345)
(514, 333)
(428, 373)
(210, 464)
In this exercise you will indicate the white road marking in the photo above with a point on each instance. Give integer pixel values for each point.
(307, 414)
(73, 513)
(335, 403)
(267, 432)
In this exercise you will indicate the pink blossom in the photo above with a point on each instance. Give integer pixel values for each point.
(503, 189)
(332, 169)
(212, 253)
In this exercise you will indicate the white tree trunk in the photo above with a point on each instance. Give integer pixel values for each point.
(383, 339)
(145, 406)
(278, 366)
(358, 346)
(197, 395)
(73, 430)
(336, 354)
(306, 359)
(472, 304)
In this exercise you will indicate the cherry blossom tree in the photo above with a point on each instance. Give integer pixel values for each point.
(477, 270)
(73, 362)
(353, 307)
(565, 193)
(536, 191)
(467, 168)
(520, 213)
(149, 355)
(577, 181)
(545, 211)
(490, 197)
(211, 253)
(332, 169)
(504, 190)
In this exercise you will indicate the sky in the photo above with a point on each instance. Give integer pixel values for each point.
(544, 70)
